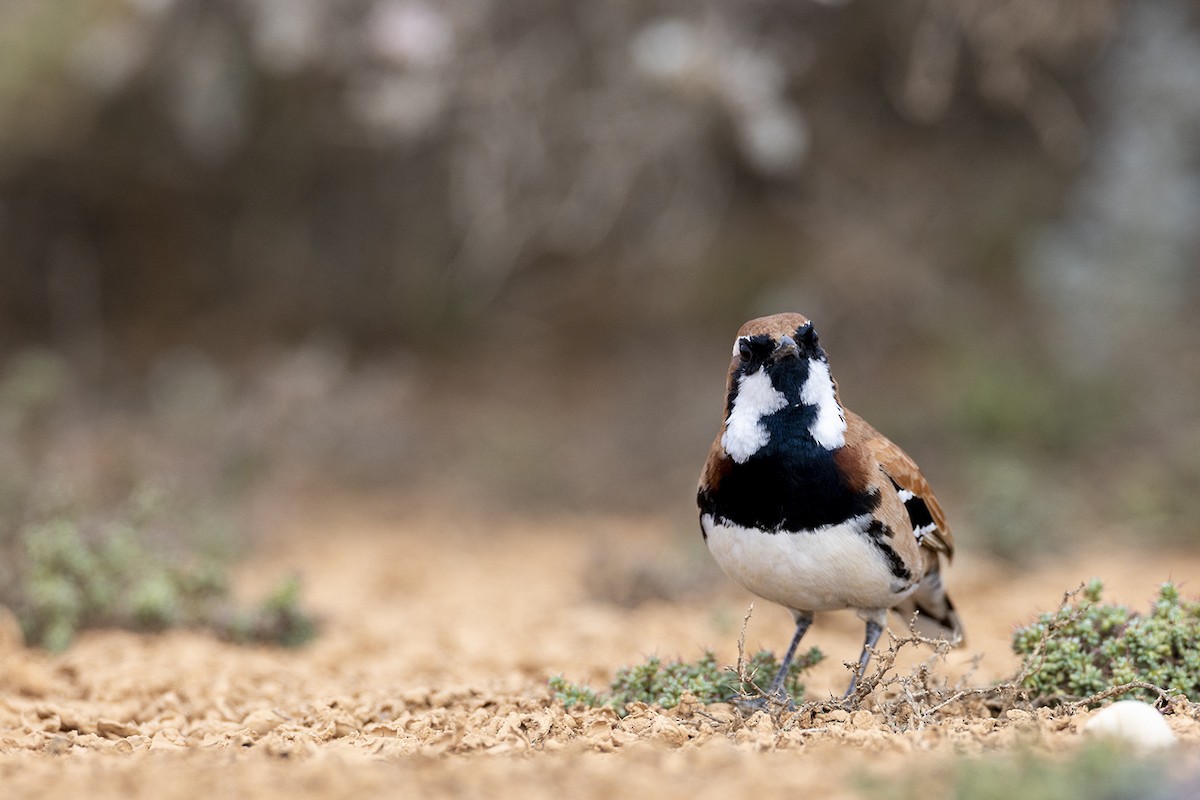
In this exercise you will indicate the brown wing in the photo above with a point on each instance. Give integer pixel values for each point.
(904, 472)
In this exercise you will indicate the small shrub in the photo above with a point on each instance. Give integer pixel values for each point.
(663, 683)
(575, 694)
(71, 579)
(278, 619)
(1086, 647)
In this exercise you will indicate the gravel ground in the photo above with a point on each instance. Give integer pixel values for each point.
(430, 674)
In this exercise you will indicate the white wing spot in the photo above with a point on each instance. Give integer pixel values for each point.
(905, 495)
(924, 531)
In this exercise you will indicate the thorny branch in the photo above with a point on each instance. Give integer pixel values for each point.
(912, 700)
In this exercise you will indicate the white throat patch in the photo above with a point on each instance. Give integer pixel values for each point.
(745, 434)
(829, 428)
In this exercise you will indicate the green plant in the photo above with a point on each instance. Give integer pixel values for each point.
(73, 577)
(663, 683)
(1097, 770)
(278, 619)
(1086, 647)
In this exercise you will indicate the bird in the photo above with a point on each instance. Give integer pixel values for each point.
(803, 503)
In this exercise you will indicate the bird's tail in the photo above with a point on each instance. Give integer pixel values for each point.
(935, 614)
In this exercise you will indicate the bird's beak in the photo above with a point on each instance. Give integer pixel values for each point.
(787, 347)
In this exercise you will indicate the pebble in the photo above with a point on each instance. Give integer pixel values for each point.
(1132, 721)
(862, 719)
(262, 721)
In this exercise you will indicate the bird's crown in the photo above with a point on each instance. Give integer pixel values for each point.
(774, 326)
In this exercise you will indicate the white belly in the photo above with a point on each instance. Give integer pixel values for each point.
(836, 566)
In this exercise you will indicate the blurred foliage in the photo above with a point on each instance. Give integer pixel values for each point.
(88, 539)
(498, 250)
(1014, 403)
(1096, 770)
(70, 580)
(386, 166)
(1086, 647)
(663, 683)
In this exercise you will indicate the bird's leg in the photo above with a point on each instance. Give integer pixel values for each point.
(803, 620)
(776, 695)
(874, 629)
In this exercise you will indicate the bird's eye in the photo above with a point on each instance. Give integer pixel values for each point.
(744, 351)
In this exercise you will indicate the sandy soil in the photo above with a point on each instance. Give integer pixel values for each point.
(430, 675)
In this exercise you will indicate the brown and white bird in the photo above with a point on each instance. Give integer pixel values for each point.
(805, 504)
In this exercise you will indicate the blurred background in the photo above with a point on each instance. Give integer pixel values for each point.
(494, 253)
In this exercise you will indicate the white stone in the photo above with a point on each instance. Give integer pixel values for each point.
(1134, 722)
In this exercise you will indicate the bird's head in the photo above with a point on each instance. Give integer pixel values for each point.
(781, 346)
(779, 364)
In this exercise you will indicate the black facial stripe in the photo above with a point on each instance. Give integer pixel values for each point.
(760, 347)
(879, 534)
(760, 343)
(788, 377)
(806, 339)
